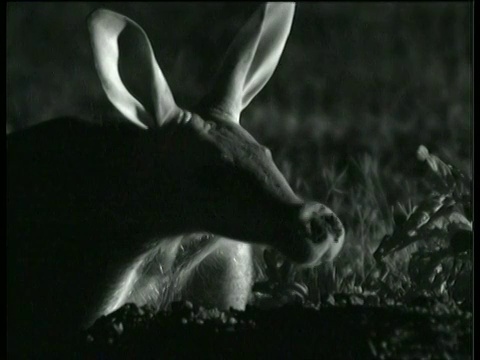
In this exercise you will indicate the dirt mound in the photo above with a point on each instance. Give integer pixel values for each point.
(342, 330)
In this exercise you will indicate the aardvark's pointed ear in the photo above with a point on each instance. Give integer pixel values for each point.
(250, 61)
(112, 37)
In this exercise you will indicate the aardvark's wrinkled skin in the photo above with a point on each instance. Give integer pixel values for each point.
(89, 207)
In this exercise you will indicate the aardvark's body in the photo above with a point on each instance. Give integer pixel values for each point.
(95, 214)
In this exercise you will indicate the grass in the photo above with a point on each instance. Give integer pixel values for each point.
(359, 88)
(369, 218)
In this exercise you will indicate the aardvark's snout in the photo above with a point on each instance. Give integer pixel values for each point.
(319, 236)
(321, 226)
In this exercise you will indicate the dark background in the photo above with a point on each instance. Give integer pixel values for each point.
(359, 87)
(346, 65)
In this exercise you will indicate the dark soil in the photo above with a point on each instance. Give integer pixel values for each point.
(352, 327)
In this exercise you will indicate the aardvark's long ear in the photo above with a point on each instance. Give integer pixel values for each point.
(115, 37)
(250, 61)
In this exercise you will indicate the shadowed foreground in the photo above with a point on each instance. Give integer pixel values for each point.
(425, 328)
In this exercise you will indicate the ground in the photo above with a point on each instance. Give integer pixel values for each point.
(357, 327)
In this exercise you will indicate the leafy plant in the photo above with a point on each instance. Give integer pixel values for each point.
(441, 227)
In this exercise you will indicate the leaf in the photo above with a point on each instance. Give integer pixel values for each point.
(448, 179)
(435, 218)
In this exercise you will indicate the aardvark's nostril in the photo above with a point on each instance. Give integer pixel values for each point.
(320, 223)
(319, 230)
(334, 225)
(323, 225)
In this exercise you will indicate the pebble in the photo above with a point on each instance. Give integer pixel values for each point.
(118, 327)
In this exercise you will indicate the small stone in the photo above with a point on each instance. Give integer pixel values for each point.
(356, 300)
(389, 302)
(330, 300)
(188, 305)
(118, 327)
(223, 318)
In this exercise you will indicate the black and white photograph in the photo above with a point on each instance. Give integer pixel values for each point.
(239, 180)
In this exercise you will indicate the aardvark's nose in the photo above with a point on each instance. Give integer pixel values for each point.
(324, 229)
